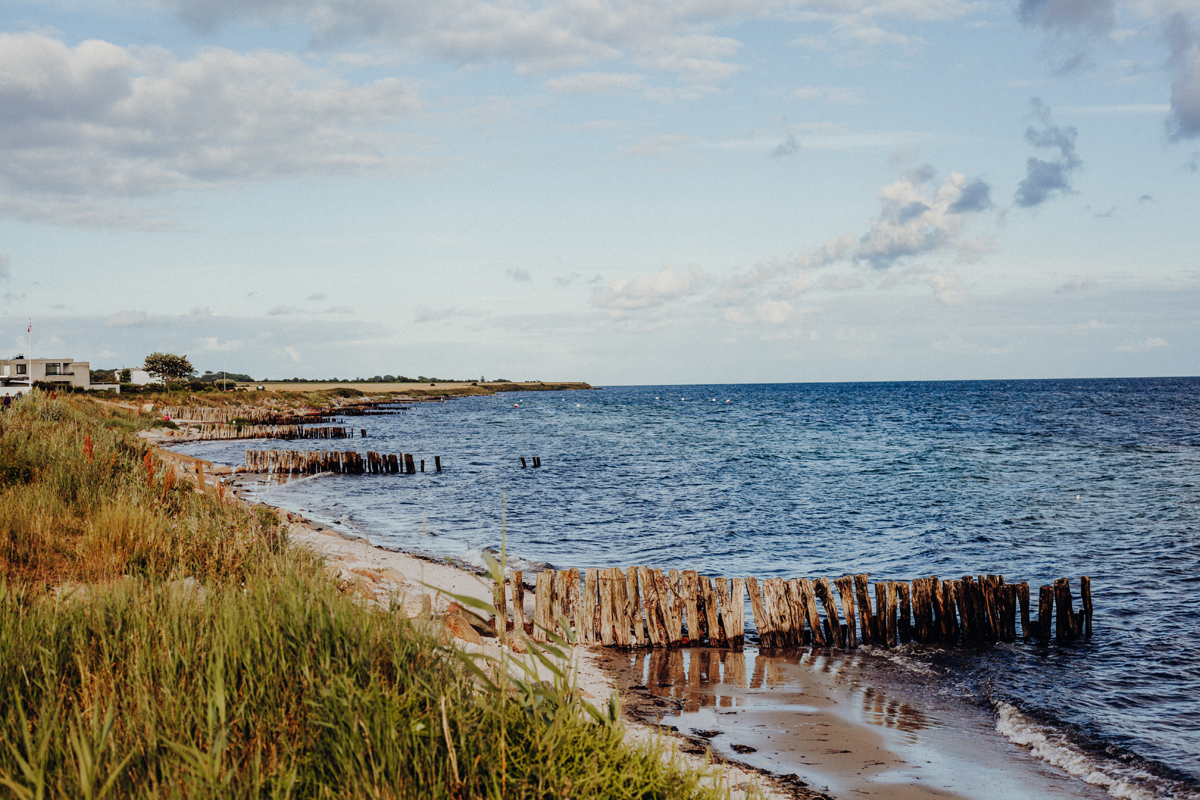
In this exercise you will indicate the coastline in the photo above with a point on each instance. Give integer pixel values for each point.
(376, 575)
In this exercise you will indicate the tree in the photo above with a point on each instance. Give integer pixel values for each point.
(168, 366)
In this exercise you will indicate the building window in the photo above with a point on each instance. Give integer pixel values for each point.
(20, 369)
(52, 369)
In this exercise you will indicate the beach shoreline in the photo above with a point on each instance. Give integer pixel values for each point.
(380, 577)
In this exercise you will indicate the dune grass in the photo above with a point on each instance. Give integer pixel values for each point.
(197, 655)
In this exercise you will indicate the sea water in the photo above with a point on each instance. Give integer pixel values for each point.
(1034, 480)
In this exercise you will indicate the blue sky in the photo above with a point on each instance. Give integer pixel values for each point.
(619, 191)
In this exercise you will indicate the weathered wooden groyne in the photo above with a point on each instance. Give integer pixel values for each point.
(223, 431)
(255, 415)
(301, 462)
(641, 607)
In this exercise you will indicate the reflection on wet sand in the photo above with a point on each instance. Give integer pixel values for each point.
(879, 709)
(817, 716)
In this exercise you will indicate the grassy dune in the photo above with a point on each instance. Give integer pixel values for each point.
(159, 642)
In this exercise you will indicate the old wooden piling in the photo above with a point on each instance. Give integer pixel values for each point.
(518, 601)
(543, 606)
(637, 607)
(1085, 597)
(1045, 612)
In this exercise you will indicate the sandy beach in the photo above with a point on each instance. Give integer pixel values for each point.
(379, 576)
(700, 704)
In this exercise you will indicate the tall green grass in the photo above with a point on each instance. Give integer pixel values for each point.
(256, 680)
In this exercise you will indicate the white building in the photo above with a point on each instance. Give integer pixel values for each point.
(20, 373)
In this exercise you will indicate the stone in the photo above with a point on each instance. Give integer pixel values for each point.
(482, 627)
(460, 628)
(392, 574)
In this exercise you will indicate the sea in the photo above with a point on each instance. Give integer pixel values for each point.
(1031, 479)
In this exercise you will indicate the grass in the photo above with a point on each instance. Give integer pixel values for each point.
(198, 655)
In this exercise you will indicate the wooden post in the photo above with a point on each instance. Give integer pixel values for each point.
(588, 606)
(791, 610)
(408, 462)
(690, 587)
(1085, 597)
(922, 621)
(656, 629)
(422, 465)
(1064, 617)
(620, 608)
(606, 609)
(437, 463)
(572, 615)
(765, 637)
(881, 613)
(890, 632)
(845, 587)
(518, 600)
(712, 612)
(670, 606)
(824, 593)
(1045, 612)
(865, 623)
(723, 627)
(543, 606)
(964, 618)
(937, 631)
(814, 620)
(635, 607)
(522, 462)
(500, 604)
(904, 607)
(735, 618)
(1023, 598)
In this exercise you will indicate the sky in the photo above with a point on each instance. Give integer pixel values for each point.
(616, 191)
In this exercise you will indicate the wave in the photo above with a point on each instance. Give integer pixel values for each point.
(1056, 747)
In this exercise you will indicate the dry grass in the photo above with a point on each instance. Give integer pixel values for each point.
(257, 679)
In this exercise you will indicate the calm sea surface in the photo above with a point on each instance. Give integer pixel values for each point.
(1034, 480)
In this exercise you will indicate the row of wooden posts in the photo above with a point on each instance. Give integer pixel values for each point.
(537, 462)
(303, 462)
(257, 415)
(640, 607)
(223, 431)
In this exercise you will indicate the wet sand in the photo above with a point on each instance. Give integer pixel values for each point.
(827, 727)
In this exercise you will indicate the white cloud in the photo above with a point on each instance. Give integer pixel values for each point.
(1152, 343)
(198, 314)
(4, 275)
(948, 288)
(839, 95)
(86, 124)
(293, 354)
(596, 83)
(673, 37)
(519, 275)
(841, 282)
(316, 296)
(127, 319)
(280, 310)
(211, 344)
(657, 290)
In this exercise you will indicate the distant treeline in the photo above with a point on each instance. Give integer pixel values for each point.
(386, 379)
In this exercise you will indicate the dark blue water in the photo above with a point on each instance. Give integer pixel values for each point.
(1033, 480)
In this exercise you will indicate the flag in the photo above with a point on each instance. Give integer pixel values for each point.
(30, 328)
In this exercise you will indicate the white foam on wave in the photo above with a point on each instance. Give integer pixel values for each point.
(900, 659)
(1054, 747)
